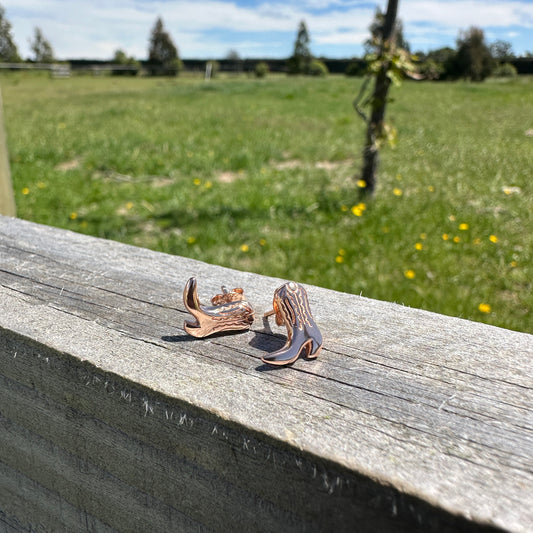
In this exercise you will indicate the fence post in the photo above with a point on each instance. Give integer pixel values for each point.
(7, 200)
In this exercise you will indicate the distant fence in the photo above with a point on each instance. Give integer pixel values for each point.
(335, 66)
(523, 65)
(57, 70)
(63, 70)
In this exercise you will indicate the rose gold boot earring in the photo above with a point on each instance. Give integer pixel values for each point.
(229, 312)
(291, 308)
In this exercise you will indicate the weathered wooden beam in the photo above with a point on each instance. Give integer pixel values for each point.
(113, 419)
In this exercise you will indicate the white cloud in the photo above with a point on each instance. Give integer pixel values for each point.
(342, 38)
(78, 28)
(433, 23)
(465, 13)
(82, 29)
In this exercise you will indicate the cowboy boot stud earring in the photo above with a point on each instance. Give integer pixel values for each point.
(291, 307)
(229, 311)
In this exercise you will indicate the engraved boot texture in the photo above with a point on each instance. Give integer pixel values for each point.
(229, 312)
(291, 307)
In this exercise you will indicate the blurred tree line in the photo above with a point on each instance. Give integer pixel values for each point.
(39, 45)
(302, 61)
(472, 58)
(163, 56)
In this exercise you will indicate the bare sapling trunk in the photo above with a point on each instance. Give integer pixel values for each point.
(375, 123)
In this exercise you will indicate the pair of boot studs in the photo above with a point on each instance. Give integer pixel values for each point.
(231, 312)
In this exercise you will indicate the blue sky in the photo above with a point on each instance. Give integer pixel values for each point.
(256, 28)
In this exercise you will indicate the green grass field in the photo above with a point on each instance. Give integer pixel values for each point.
(261, 175)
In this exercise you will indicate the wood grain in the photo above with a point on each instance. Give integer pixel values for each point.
(407, 421)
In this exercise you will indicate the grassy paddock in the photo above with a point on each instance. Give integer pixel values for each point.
(259, 175)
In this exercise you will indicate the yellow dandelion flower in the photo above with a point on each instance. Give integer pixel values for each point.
(463, 226)
(361, 184)
(73, 215)
(357, 211)
(41, 185)
(245, 248)
(208, 184)
(342, 252)
(25, 191)
(511, 190)
(445, 236)
(339, 259)
(191, 240)
(513, 264)
(129, 205)
(262, 242)
(493, 238)
(409, 274)
(344, 208)
(457, 239)
(423, 236)
(397, 192)
(484, 308)
(196, 181)
(419, 246)
(431, 188)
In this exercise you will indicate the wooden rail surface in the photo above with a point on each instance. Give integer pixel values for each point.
(113, 419)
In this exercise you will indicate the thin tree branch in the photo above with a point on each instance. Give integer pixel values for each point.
(357, 101)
